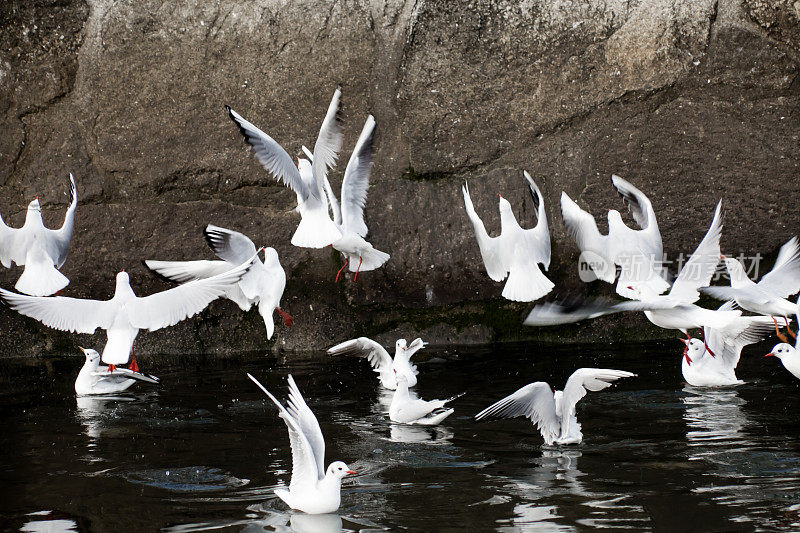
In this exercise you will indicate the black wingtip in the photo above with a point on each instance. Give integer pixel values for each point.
(160, 276)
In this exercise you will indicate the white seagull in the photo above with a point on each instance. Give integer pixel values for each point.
(316, 229)
(40, 250)
(701, 369)
(675, 310)
(349, 217)
(637, 252)
(263, 284)
(406, 409)
(768, 296)
(125, 313)
(516, 252)
(312, 489)
(553, 413)
(788, 354)
(387, 368)
(96, 379)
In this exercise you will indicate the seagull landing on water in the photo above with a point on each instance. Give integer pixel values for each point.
(637, 252)
(97, 379)
(553, 413)
(387, 368)
(312, 489)
(360, 255)
(263, 284)
(702, 369)
(768, 296)
(125, 313)
(516, 252)
(407, 410)
(316, 229)
(40, 250)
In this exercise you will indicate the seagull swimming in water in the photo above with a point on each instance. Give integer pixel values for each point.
(312, 489)
(263, 284)
(789, 355)
(553, 413)
(406, 409)
(125, 313)
(40, 250)
(388, 368)
(702, 369)
(768, 296)
(360, 255)
(516, 252)
(97, 379)
(637, 252)
(316, 229)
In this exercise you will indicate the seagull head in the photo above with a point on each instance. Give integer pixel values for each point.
(780, 350)
(123, 279)
(270, 256)
(695, 348)
(304, 166)
(34, 205)
(401, 345)
(339, 470)
(505, 205)
(91, 355)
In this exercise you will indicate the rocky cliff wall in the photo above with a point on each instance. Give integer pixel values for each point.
(692, 101)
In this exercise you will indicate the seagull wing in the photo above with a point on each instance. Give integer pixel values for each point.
(583, 228)
(539, 235)
(305, 471)
(298, 408)
(333, 203)
(638, 204)
(183, 271)
(588, 379)
(378, 357)
(489, 246)
(329, 142)
(356, 181)
(9, 249)
(700, 268)
(784, 278)
(751, 293)
(232, 246)
(169, 307)
(62, 313)
(534, 401)
(58, 243)
(554, 313)
(727, 342)
(273, 157)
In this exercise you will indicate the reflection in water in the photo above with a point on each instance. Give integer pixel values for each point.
(384, 400)
(92, 413)
(718, 435)
(428, 434)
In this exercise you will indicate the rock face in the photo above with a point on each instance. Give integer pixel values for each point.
(692, 101)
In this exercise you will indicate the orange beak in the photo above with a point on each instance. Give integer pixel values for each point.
(351, 472)
(770, 354)
(722, 256)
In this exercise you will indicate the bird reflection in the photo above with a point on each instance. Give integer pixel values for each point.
(384, 400)
(714, 417)
(429, 434)
(92, 411)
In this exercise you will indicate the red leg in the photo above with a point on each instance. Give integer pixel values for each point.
(287, 318)
(360, 260)
(111, 368)
(338, 274)
(780, 335)
(133, 366)
(788, 329)
(706, 345)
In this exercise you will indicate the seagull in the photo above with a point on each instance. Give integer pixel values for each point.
(263, 284)
(701, 369)
(312, 489)
(349, 218)
(788, 354)
(387, 368)
(516, 252)
(42, 251)
(407, 410)
(675, 310)
(96, 379)
(768, 296)
(637, 252)
(316, 229)
(554, 412)
(125, 313)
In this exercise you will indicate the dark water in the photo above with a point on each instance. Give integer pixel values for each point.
(204, 450)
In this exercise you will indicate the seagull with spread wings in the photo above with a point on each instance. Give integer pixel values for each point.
(263, 284)
(40, 250)
(312, 489)
(638, 253)
(516, 252)
(316, 229)
(553, 413)
(125, 313)
(388, 368)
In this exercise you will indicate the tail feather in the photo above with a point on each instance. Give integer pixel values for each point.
(40, 277)
(526, 283)
(371, 260)
(316, 230)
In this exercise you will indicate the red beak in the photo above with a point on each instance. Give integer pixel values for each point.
(351, 472)
(684, 341)
(770, 354)
(722, 256)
